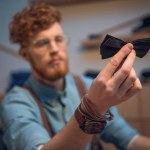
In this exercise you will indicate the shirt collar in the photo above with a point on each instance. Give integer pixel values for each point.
(43, 91)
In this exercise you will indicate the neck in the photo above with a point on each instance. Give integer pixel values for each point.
(58, 84)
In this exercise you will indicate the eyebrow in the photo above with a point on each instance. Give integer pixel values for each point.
(45, 37)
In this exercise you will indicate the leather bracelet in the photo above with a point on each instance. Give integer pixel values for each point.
(87, 124)
(88, 121)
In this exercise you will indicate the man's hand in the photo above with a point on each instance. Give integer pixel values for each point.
(116, 82)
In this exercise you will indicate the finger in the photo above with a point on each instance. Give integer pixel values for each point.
(125, 70)
(114, 63)
(134, 89)
(128, 83)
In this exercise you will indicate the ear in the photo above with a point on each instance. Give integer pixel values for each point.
(23, 53)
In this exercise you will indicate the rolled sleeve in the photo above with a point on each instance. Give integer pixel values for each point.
(118, 131)
(39, 147)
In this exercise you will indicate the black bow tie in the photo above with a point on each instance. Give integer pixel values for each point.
(111, 45)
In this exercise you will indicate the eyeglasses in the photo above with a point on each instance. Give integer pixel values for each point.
(45, 43)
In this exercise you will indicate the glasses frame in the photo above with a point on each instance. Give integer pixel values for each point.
(60, 40)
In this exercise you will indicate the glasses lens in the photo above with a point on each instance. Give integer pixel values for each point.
(42, 43)
(60, 40)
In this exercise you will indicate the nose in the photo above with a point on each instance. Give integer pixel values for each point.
(54, 47)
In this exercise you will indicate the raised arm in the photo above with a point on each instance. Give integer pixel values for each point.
(115, 84)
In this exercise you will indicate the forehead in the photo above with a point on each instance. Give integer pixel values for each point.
(55, 29)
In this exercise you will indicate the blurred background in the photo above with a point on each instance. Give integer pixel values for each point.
(87, 22)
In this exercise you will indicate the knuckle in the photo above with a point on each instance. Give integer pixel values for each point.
(101, 81)
(125, 71)
(138, 87)
(114, 62)
(109, 91)
(132, 78)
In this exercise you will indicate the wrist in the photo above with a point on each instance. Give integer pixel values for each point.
(91, 112)
(93, 108)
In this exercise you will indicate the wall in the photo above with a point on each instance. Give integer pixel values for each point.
(8, 63)
(78, 21)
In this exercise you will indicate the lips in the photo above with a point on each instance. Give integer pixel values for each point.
(55, 61)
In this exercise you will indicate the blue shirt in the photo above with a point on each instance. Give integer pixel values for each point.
(23, 128)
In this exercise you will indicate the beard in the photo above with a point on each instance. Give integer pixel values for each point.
(48, 72)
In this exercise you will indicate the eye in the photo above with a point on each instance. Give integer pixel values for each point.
(42, 43)
(59, 39)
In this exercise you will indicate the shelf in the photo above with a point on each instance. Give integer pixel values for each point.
(67, 2)
(95, 42)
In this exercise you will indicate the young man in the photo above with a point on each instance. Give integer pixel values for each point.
(42, 41)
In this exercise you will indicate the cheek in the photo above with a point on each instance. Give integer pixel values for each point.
(64, 54)
(37, 60)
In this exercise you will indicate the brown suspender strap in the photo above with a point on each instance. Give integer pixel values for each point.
(80, 85)
(42, 111)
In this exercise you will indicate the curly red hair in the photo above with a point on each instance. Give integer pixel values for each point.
(31, 21)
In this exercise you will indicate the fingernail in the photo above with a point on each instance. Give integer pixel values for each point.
(130, 46)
